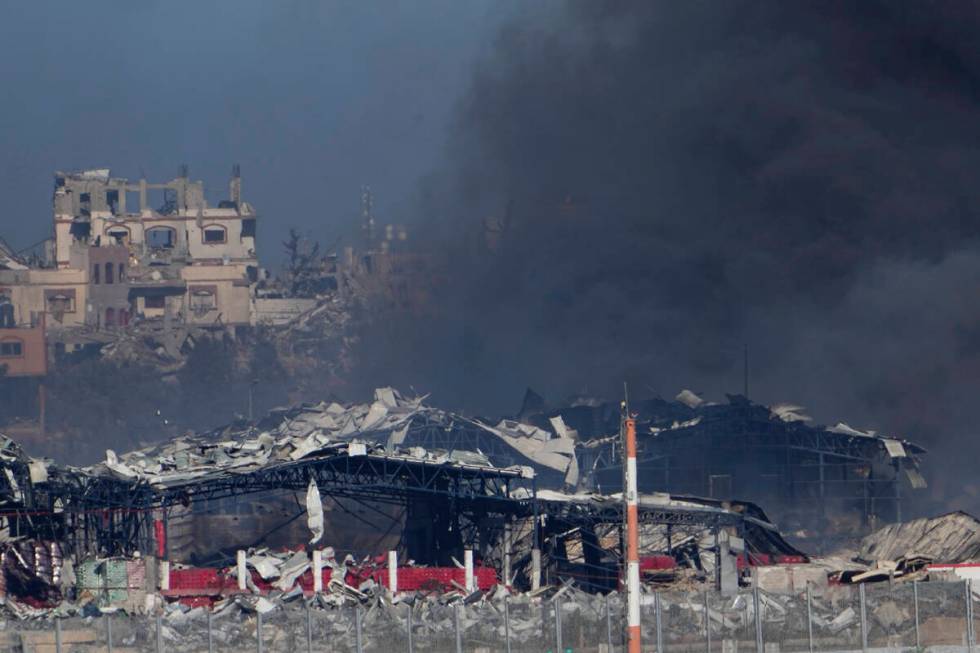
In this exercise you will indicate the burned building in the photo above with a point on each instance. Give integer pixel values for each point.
(812, 479)
(369, 487)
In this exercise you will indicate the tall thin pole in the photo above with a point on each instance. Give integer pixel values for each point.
(745, 370)
(632, 538)
(809, 619)
(915, 606)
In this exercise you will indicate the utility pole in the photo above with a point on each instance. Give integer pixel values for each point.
(745, 369)
(632, 533)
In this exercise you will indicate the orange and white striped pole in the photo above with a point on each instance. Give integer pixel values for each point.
(632, 542)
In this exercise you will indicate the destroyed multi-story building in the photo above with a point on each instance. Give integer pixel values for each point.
(178, 259)
(123, 249)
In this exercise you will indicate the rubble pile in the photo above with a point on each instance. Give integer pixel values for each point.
(323, 429)
(150, 342)
(950, 538)
(328, 327)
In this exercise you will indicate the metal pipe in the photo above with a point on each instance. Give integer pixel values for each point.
(659, 622)
(507, 622)
(508, 545)
(535, 539)
(608, 625)
(459, 635)
(108, 634)
(915, 608)
(210, 633)
(357, 629)
(411, 643)
(159, 634)
(809, 618)
(633, 635)
(258, 631)
(707, 624)
(756, 603)
(970, 634)
(309, 629)
(864, 618)
(557, 603)
(57, 634)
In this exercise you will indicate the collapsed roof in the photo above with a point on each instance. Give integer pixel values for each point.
(391, 424)
(950, 538)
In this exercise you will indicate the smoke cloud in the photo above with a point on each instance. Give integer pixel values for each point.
(664, 182)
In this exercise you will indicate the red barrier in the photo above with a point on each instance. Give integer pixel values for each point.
(202, 582)
(655, 562)
(161, 537)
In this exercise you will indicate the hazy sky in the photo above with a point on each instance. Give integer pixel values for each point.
(312, 98)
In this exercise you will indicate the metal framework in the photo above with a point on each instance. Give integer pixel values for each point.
(109, 516)
(795, 465)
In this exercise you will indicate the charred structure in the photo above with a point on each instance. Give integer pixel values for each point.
(814, 480)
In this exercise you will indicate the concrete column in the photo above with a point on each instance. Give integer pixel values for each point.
(393, 571)
(317, 570)
(242, 570)
(468, 564)
(535, 569)
(142, 195)
(164, 575)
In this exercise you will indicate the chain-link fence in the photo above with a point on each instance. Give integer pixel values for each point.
(882, 617)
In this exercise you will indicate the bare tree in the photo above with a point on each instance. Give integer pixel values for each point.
(302, 263)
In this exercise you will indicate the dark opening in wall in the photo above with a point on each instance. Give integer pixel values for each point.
(7, 316)
(119, 234)
(132, 202)
(215, 235)
(11, 349)
(161, 238)
(112, 201)
(80, 231)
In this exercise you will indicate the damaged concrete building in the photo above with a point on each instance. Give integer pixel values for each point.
(177, 259)
(124, 250)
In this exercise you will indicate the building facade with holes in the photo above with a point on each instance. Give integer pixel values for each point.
(153, 251)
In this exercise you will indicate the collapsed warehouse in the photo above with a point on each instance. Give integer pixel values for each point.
(356, 504)
(442, 483)
(815, 481)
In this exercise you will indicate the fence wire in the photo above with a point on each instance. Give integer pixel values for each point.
(929, 616)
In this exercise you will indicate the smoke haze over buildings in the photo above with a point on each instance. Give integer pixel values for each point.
(667, 181)
(677, 179)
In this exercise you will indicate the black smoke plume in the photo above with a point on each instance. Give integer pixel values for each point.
(634, 190)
